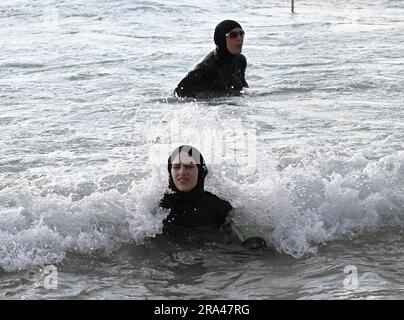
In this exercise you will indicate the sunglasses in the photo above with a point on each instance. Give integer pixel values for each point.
(234, 34)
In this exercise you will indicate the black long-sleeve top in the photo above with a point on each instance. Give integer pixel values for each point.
(203, 216)
(202, 209)
(214, 76)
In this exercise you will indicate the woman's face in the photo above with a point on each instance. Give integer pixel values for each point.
(234, 43)
(184, 172)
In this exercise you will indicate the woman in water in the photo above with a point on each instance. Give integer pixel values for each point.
(222, 71)
(192, 208)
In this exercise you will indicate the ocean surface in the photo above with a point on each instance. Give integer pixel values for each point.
(311, 156)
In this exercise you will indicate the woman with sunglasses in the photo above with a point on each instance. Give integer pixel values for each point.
(194, 212)
(222, 71)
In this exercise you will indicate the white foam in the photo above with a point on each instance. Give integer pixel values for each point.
(37, 230)
(305, 207)
(296, 205)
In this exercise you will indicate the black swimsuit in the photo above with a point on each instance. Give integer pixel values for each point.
(195, 209)
(217, 74)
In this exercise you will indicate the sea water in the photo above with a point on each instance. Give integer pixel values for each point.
(310, 156)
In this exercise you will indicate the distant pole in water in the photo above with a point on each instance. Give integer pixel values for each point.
(293, 6)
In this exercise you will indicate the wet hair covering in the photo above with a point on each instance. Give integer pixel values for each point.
(220, 37)
(202, 170)
(196, 208)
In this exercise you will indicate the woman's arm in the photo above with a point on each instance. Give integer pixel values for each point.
(244, 235)
(194, 82)
(244, 67)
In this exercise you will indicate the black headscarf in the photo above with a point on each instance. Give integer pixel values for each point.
(196, 208)
(220, 38)
(202, 172)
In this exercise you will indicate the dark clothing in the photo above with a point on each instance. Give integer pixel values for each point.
(203, 217)
(202, 209)
(196, 211)
(217, 74)
(198, 214)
